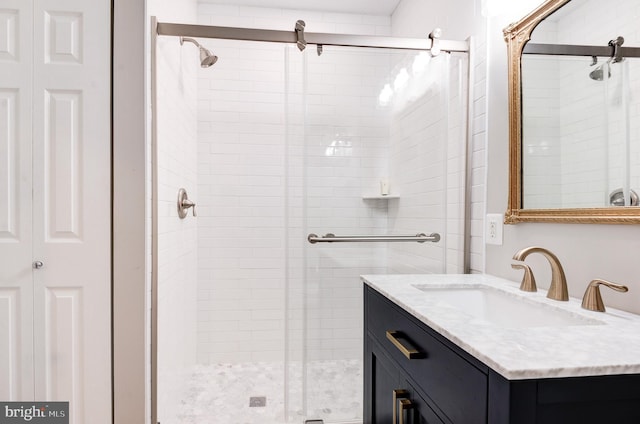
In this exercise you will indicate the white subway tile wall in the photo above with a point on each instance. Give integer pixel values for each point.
(241, 227)
(478, 149)
(265, 180)
(427, 164)
(542, 141)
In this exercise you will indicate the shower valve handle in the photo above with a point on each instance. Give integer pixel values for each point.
(184, 203)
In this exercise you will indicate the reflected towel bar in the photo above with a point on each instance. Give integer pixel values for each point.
(332, 238)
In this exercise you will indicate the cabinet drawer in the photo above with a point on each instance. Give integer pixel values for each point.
(455, 387)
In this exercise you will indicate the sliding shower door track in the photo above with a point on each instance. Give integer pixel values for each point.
(322, 39)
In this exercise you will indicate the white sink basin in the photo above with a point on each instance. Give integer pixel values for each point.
(503, 309)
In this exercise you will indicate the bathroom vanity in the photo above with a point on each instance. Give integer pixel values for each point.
(473, 349)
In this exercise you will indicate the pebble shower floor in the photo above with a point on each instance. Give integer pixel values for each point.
(221, 393)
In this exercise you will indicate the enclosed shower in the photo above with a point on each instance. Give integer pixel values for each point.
(318, 158)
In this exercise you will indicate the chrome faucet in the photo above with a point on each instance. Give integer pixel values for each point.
(558, 288)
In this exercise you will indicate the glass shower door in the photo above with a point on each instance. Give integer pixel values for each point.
(376, 147)
(255, 323)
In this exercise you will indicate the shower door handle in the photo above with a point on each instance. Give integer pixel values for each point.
(332, 238)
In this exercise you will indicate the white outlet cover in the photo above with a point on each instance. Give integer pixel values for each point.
(493, 228)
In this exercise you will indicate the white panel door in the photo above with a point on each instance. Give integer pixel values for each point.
(16, 284)
(71, 206)
(55, 338)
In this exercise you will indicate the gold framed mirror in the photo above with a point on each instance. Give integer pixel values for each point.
(517, 35)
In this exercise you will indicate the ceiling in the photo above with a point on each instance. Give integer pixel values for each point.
(362, 7)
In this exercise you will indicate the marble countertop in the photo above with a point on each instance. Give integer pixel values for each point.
(606, 343)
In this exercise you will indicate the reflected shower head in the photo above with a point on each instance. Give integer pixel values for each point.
(206, 57)
(616, 57)
(598, 73)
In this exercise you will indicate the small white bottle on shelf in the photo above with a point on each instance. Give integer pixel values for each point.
(384, 187)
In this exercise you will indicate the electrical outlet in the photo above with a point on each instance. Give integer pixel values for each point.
(493, 230)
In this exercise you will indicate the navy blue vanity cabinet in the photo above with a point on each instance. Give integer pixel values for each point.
(414, 375)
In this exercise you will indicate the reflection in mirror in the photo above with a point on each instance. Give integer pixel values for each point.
(577, 151)
(580, 118)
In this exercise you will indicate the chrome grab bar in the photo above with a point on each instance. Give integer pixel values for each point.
(332, 238)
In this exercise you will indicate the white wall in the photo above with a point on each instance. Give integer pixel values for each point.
(587, 251)
(177, 239)
(458, 19)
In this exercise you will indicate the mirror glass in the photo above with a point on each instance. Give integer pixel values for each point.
(581, 108)
(580, 115)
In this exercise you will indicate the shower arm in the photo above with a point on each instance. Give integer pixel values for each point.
(190, 40)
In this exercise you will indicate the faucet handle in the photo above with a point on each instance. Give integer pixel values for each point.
(592, 299)
(528, 281)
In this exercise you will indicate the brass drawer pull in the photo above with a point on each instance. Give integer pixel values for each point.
(398, 394)
(409, 353)
(405, 404)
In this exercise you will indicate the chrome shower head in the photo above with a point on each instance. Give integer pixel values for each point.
(206, 57)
